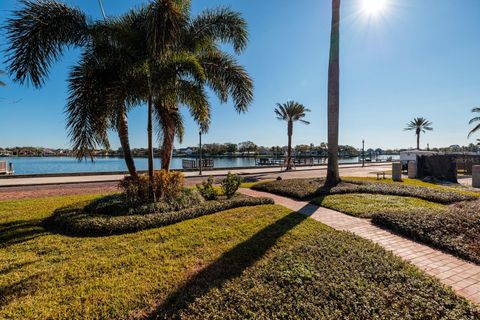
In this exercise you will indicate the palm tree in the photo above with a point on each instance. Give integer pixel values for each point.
(38, 34)
(474, 120)
(419, 125)
(333, 175)
(202, 36)
(291, 112)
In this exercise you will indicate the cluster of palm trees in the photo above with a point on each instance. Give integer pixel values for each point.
(157, 55)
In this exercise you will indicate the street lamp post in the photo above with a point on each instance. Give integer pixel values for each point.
(363, 153)
(200, 152)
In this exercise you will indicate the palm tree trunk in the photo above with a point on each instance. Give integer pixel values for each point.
(289, 149)
(418, 141)
(150, 145)
(168, 130)
(333, 175)
(122, 128)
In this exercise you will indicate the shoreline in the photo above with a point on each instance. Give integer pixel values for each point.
(256, 172)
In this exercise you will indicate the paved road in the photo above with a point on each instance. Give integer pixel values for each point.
(21, 188)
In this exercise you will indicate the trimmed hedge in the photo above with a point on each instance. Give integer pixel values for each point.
(75, 221)
(116, 205)
(309, 188)
(456, 230)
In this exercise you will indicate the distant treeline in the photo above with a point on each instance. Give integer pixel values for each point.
(246, 149)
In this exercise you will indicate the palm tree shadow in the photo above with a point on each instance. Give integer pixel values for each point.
(20, 231)
(230, 265)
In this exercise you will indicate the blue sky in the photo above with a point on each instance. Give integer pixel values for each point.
(419, 58)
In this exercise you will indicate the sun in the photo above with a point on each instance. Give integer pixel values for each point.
(373, 7)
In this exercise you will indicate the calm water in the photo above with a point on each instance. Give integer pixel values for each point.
(38, 165)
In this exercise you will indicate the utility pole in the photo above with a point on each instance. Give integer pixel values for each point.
(363, 153)
(200, 152)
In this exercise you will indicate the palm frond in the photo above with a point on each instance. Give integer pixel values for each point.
(38, 33)
(89, 116)
(227, 78)
(474, 130)
(220, 24)
(164, 23)
(291, 111)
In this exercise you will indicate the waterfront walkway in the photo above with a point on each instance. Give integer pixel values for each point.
(463, 277)
(251, 173)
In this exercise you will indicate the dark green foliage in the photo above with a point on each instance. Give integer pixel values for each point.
(326, 275)
(38, 33)
(310, 188)
(207, 190)
(456, 230)
(231, 184)
(75, 221)
(115, 205)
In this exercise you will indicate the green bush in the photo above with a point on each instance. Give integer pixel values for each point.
(231, 184)
(115, 205)
(207, 190)
(309, 188)
(75, 221)
(166, 186)
(456, 230)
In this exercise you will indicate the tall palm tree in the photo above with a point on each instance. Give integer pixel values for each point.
(333, 175)
(291, 112)
(38, 33)
(419, 125)
(474, 120)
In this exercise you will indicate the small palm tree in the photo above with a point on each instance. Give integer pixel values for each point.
(474, 120)
(291, 112)
(419, 125)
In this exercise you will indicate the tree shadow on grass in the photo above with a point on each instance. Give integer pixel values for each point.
(21, 288)
(230, 265)
(20, 231)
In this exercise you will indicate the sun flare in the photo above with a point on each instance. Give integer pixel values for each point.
(373, 7)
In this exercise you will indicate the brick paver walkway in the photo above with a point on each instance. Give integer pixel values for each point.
(462, 276)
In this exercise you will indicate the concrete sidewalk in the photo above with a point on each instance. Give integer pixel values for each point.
(260, 173)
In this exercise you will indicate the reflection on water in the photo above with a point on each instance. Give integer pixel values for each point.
(34, 165)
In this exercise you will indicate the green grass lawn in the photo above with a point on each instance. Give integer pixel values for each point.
(254, 262)
(365, 205)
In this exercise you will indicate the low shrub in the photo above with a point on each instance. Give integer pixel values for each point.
(207, 190)
(309, 188)
(115, 205)
(231, 184)
(75, 221)
(166, 186)
(455, 230)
